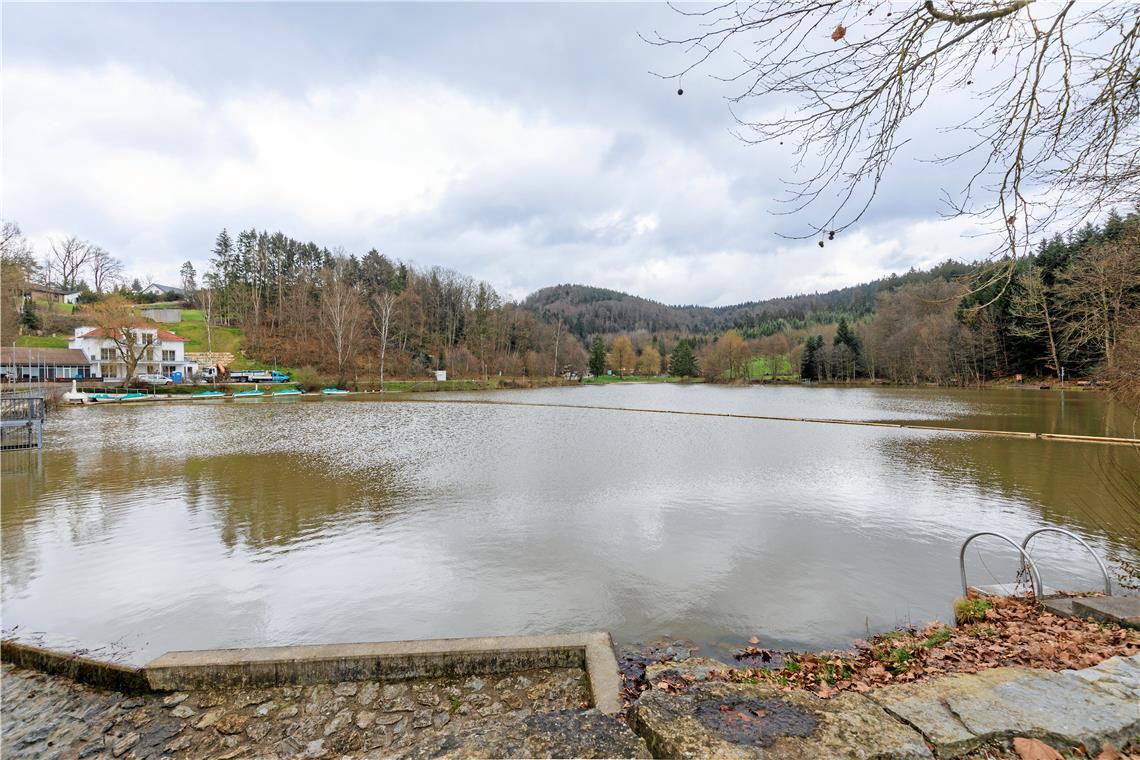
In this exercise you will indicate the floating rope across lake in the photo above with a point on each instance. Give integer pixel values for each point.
(773, 418)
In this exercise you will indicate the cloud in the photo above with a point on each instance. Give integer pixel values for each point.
(549, 161)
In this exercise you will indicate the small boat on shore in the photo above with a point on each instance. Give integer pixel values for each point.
(208, 394)
(251, 393)
(288, 392)
(102, 398)
(333, 391)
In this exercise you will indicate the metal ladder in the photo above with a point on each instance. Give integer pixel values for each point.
(1027, 561)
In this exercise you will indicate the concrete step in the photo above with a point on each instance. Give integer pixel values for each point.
(1124, 610)
(1059, 605)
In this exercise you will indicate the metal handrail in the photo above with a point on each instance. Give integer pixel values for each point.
(1035, 576)
(1079, 540)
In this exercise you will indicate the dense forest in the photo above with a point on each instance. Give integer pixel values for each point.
(1074, 304)
(589, 310)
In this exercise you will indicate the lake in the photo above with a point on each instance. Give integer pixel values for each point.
(222, 524)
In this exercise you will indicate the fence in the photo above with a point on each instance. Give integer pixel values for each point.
(21, 422)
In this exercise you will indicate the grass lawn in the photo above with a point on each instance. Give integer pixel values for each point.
(761, 368)
(606, 379)
(62, 308)
(225, 339)
(41, 341)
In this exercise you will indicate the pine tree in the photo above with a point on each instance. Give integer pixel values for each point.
(846, 350)
(682, 363)
(809, 365)
(29, 318)
(598, 357)
(843, 334)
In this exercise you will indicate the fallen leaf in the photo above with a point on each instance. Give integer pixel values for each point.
(754, 640)
(1109, 752)
(1034, 749)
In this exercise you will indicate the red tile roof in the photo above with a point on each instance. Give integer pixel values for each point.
(98, 332)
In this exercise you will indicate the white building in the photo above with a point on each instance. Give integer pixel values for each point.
(165, 352)
(163, 291)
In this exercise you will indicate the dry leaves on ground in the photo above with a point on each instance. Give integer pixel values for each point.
(1015, 632)
(1034, 749)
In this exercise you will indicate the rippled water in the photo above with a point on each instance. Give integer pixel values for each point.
(211, 524)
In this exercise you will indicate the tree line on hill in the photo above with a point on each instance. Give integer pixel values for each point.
(1074, 304)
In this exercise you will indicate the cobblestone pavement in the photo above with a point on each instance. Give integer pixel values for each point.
(48, 717)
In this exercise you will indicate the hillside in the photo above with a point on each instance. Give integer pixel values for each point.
(590, 310)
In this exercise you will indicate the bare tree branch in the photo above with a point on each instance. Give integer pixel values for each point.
(1054, 134)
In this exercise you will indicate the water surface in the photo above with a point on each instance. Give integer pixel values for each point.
(211, 524)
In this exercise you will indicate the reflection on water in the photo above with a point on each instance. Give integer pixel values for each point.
(274, 500)
(182, 526)
(1072, 486)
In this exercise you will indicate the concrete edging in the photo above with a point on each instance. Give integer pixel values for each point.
(103, 675)
(327, 663)
(393, 661)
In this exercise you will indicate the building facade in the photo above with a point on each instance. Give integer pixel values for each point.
(43, 364)
(164, 353)
(49, 294)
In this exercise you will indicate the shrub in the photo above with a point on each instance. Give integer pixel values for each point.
(308, 379)
(939, 637)
(971, 610)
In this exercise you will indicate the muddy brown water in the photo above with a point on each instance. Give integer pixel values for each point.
(142, 529)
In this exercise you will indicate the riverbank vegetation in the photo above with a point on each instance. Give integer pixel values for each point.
(271, 300)
(1013, 632)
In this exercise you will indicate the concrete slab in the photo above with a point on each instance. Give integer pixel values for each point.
(1059, 605)
(104, 675)
(694, 669)
(957, 714)
(1124, 610)
(1119, 676)
(393, 661)
(723, 720)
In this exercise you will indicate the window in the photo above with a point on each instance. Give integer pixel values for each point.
(168, 356)
(107, 354)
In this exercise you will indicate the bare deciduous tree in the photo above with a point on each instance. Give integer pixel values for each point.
(382, 304)
(204, 297)
(1031, 303)
(1055, 134)
(17, 268)
(558, 327)
(66, 260)
(1100, 294)
(622, 356)
(106, 270)
(118, 323)
(343, 313)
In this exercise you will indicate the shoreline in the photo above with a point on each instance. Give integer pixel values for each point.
(567, 696)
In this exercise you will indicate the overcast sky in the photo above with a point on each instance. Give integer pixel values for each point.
(527, 145)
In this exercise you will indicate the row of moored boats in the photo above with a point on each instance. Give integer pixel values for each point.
(254, 393)
(101, 398)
